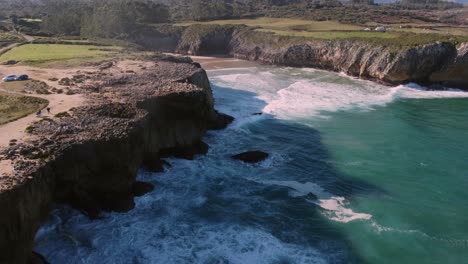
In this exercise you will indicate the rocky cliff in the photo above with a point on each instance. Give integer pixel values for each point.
(432, 63)
(88, 157)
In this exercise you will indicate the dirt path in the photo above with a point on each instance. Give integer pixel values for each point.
(27, 37)
(9, 47)
(57, 103)
(16, 130)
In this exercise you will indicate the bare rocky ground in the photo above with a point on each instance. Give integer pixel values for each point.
(65, 89)
(95, 101)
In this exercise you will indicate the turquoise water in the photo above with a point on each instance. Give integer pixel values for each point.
(358, 173)
(415, 151)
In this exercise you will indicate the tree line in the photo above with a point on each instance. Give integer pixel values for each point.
(118, 18)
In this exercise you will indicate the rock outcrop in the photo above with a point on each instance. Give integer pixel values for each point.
(89, 158)
(433, 63)
(251, 156)
(454, 72)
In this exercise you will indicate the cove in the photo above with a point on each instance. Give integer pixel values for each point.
(357, 173)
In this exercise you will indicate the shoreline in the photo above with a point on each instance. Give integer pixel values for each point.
(222, 62)
(217, 62)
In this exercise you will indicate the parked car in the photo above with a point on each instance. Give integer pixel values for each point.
(22, 77)
(9, 78)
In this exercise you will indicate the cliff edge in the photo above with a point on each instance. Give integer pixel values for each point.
(88, 157)
(438, 63)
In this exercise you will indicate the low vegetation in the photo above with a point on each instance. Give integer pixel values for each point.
(325, 30)
(281, 24)
(8, 38)
(335, 29)
(333, 34)
(43, 54)
(13, 107)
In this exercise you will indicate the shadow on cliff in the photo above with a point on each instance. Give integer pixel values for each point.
(267, 195)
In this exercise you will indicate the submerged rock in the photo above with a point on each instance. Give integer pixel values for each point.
(220, 122)
(141, 188)
(37, 258)
(187, 152)
(251, 156)
(153, 163)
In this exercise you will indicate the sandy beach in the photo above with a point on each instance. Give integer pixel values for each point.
(215, 63)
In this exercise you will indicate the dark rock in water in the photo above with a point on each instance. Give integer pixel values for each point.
(201, 147)
(311, 196)
(93, 204)
(259, 113)
(153, 163)
(37, 258)
(251, 156)
(117, 202)
(186, 152)
(141, 188)
(84, 202)
(220, 122)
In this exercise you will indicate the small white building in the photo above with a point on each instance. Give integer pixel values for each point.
(380, 29)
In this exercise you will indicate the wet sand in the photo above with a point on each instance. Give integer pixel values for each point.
(215, 63)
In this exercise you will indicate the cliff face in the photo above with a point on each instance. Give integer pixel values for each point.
(436, 63)
(352, 57)
(89, 159)
(209, 39)
(454, 72)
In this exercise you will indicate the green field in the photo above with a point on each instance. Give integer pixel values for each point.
(301, 28)
(282, 24)
(335, 30)
(333, 34)
(13, 107)
(44, 54)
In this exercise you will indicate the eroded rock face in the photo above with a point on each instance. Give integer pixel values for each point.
(454, 72)
(141, 188)
(356, 58)
(89, 158)
(435, 63)
(209, 39)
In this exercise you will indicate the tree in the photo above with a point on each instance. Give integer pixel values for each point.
(106, 19)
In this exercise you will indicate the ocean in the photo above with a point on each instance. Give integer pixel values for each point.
(357, 173)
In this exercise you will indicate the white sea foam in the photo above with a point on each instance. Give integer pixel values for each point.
(335, 207)
(337, 210)
(251, 81)
(288, 95)
(168, 240)
(385, 229)
(307, 98)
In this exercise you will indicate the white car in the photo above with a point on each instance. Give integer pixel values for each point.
(9, 78)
